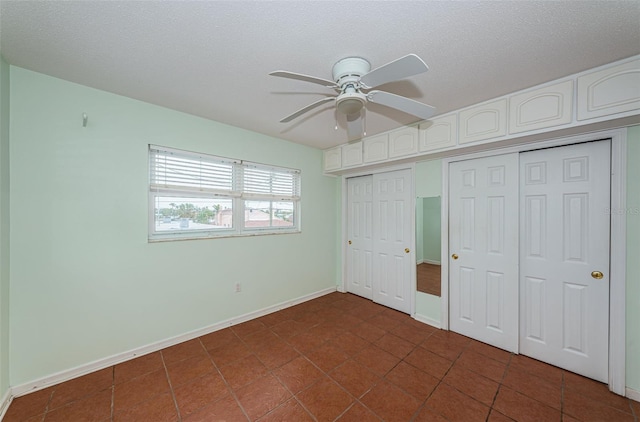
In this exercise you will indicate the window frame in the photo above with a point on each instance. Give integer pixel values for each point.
(282, 181)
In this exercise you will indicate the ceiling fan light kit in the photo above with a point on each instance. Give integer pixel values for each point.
(351, 76)
(350, 102)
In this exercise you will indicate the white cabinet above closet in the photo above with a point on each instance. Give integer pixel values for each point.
(352, 154)
(403, 142)
(333, 158)
(376, 148)
(541, 108)
(608, 91)
(438, 133)
(486, 121)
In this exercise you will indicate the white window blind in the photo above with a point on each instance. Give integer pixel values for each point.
(174, 171)
(270, 183)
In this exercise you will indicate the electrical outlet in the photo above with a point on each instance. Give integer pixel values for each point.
(238, 289)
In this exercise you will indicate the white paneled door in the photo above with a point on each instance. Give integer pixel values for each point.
(359, 229)
(564, 257)
(392, 239)
(380, 228)
(483, 242)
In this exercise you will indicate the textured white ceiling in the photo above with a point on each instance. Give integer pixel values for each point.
(211, 59)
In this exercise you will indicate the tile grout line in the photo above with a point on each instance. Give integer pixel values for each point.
(356, 399)
(231, 392)
(46, 408)
(113, 391)
(173, 394)
(415, 346)
(381, 378)
(304, 356)
(294, 396)
(562, 397)
(495, 396)
(417, 412)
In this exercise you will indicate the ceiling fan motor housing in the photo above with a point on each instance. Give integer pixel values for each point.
(349, 70)
(347, 73)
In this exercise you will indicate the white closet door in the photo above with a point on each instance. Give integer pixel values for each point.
(393, 228)
(564, 310)
(360, 243)
(483, 242)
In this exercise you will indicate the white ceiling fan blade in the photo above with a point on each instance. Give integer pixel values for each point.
(354, 126)
(401, 103)
(401, 68)
(306, 78)
(307, 108)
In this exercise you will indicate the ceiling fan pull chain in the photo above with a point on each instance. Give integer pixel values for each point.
(336, 115)
(364, 121)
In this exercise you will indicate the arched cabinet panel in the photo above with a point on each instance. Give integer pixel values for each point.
(609, 91)
(541, 108)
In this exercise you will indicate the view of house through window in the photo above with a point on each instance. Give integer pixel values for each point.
(268, 214)
(196, 195)
(173, 213)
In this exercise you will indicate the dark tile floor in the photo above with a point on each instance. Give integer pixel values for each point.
(338, 357)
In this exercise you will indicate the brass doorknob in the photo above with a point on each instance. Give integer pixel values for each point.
(349, 242)
(406, 250)
(454, 256)
(597, 275)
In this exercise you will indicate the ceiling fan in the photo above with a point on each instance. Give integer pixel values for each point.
(353, 79)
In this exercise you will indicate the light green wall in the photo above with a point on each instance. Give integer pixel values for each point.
(432, 228)
(4, 226)
(428, 229)
(633, 263)
(85, 283)
(429, 178)
(419, 229)
(428, 307)
(428, 184)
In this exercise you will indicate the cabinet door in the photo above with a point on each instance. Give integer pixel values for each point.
(376, 148)
(352, 154)
(541, 108)
(482, 122)
(403, 142)
(438, 133)
(609, 91)
(332, 159)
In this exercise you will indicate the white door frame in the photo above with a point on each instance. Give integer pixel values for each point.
(343, 253)
(618, 239)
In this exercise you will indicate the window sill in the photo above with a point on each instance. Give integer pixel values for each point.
(176, 238)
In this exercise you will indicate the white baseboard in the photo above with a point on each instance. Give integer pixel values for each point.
(96, 365)
(426, 320)
(431, 261)
(632, 394)
(5, 401)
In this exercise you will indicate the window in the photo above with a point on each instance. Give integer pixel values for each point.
(195, 195)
